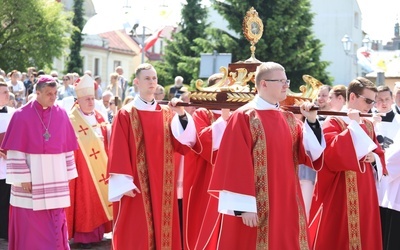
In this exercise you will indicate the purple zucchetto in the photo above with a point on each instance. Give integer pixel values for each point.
(45, 79)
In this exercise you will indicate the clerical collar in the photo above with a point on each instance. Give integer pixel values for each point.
(3, 109)
(262, 104)
(146, 102)
(388, 117)
(40, 106)
(397, 109)
(90, 114)
(140, 105)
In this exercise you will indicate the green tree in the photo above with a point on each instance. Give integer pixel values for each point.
(32, 33)
(75, 62)
(287, 37)
(181, 56)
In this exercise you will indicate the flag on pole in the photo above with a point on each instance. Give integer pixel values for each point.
(151, 40)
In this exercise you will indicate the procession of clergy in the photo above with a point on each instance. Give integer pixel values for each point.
(169, 177)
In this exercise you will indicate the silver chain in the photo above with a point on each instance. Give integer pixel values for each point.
(46, 135)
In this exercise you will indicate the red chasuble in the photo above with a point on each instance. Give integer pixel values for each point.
(258, 157)
(350, 212)
(86, 212)
(202, 217)
(142, 147)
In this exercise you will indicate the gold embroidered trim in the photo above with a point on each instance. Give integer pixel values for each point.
(353, 210)
(292, 123)
(143, 174)
(168, 183)
(93, 151)
(353, 215)
(261, 179)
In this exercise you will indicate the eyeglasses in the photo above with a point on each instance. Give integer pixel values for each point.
(282, 81)
(367, 100)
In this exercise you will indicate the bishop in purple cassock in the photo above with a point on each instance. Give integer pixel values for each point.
(40, 142)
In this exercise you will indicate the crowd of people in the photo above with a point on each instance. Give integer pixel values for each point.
(78, 161)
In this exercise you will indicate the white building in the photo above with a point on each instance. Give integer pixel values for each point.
(333, 20)
(102, 53)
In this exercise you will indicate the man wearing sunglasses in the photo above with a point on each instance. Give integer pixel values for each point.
(346, 185)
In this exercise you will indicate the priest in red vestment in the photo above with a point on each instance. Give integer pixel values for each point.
(201, 210)
(90, 213)
(142, 184)
(255, 176)
(345, 204)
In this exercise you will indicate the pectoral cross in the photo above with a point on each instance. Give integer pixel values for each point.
(46, 135)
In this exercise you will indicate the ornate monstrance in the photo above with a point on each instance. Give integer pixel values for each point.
(234, 90)
(253, 29)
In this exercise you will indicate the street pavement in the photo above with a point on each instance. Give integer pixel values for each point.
(103, 245)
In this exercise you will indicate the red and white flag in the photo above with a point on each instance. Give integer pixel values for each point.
(151, 40)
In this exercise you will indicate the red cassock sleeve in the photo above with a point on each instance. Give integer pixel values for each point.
(119, 150)
(236, 152)
(203, 119)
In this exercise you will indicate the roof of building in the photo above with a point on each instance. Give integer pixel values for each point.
(119, 41)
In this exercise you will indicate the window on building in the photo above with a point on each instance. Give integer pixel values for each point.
(356, 20)
(83, 62)
(96, 66)
(116, 64)
(161, 46)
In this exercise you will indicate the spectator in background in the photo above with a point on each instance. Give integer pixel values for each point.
(122, 82)
(107, 96)
(24, 77)
(175, 91)
(127, 100)
(17, 87)
(29, 81)
(31, 88)
(132, 90)
(114, 87)
(322, 100)
(54, 74)
(12, 102)
(99, 90)
(337, 97)
(3, 74)
(159, 95)
(67, 89)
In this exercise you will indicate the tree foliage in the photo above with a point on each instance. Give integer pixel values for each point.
(75, 62)
(181, 56)
(32, 33)
(287, 37)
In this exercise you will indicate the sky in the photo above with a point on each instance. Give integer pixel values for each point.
(378, 16)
